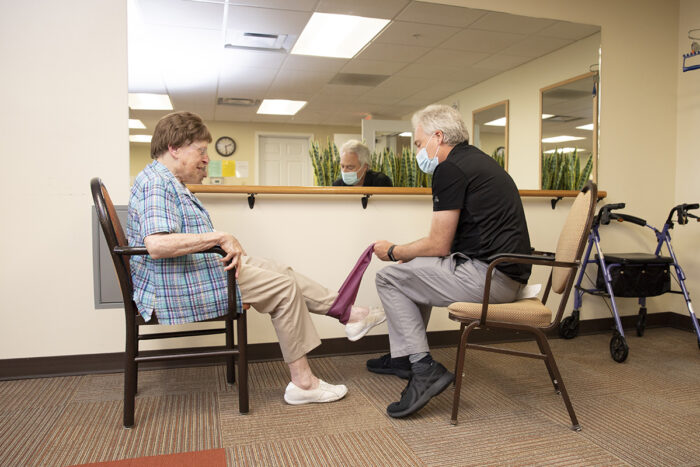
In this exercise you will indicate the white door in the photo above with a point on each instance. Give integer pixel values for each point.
(285, 161)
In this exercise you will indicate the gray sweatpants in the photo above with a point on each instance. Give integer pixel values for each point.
(408, 292)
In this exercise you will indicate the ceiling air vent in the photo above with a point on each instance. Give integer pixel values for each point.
(563, 118)
(357, 79)
(238, 101)
(257, 41)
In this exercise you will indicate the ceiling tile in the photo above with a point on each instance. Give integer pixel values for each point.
(245, 82)
(309, 63)
(536, 46)
(299, 5)
(446, 15)
(504, 22)
(300, 81)
(242, 59)
(415, 34)
(392, 53)
(475, 40)
(567, 30)
(267, 21)
(373, 67)
(181, 14)
(399, 87)
(501, 62)
(386, 9)
(456, 58)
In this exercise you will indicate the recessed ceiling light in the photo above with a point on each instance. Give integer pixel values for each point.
(140, 138)
(280, 107)
(561, 139)
(546, 116)
(406, 134)
(498, 122)
(589, 126)
(145, 101)
(136, 124)
(341, 36)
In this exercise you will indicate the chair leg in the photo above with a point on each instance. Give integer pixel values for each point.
(461, 330)
(459, 367)
(230, 360)
(242, 364)
(552, 377)
(552, 365)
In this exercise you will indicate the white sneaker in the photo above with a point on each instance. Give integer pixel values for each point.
(325, 392)
(357, 330)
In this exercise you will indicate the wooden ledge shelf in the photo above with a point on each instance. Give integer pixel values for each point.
(366, 192)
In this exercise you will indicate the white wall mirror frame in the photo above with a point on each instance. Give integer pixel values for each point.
(490, 130)
(569, 124)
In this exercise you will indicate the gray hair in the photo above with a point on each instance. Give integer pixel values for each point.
(358, 148)
(444, 118)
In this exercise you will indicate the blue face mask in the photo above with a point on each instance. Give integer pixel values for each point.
(350, 178)
(425, 163)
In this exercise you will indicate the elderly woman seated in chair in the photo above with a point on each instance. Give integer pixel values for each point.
(181, 286)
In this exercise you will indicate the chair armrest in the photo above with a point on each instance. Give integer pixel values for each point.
(231, 276)
(534, 259)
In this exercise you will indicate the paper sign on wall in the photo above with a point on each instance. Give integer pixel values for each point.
(214, 168)
(228, 168)
(242, 169)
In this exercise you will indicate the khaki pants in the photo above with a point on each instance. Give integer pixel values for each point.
(287, 297)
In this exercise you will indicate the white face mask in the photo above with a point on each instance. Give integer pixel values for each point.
(349, 178)
(425, 163)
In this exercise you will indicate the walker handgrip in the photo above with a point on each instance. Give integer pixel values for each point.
(692, 206)
(628, 218)
(603, 217)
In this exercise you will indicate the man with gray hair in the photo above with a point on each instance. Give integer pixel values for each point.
(477, 212)
(354, 167)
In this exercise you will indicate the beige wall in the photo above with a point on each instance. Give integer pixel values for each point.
(244, 134)
(74, 95)
(686, 239)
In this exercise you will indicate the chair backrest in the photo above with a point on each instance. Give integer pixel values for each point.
(114, 235)
(574, 234)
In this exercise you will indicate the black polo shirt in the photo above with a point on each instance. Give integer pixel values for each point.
(491, 218)
(372, 178)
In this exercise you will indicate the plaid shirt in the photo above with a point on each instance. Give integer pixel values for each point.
(183, 289)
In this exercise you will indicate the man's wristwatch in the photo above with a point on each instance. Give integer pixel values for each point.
(390, 253)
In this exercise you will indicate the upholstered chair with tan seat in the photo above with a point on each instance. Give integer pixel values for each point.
(530, 316)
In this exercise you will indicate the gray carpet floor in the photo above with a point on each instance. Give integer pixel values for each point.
(644, 412)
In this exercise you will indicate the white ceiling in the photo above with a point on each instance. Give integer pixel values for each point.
(426, 53)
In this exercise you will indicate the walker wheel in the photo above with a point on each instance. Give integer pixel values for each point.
(641, 321)
(568, 328)
(618, 348)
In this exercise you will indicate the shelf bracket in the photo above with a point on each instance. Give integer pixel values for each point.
(365, 200)
(251, 200)
(555, 201)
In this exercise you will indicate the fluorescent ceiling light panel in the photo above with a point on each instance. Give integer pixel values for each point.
(140, 138)
(561, 139)
(406, 134)
(565, 150)
(136, 124)
(585, 127)
(546, 116)
(498, 122)
(341, 36)
(280, 107)
(145, 101)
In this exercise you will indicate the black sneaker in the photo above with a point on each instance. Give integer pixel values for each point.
(386, 365)
(421, 387)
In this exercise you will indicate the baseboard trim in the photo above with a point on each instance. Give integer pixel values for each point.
(73, 365)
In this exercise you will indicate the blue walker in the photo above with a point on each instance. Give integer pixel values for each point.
(638, 275)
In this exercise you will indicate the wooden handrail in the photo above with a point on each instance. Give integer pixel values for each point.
(357, 190)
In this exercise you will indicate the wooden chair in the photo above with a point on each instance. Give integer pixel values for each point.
(530, 316)
(121, 252)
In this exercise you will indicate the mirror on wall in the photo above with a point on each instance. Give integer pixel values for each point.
(428, 53)
(569, 133)
(490, 131)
